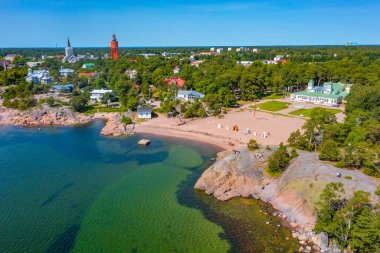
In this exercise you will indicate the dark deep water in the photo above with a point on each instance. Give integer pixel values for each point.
(68, 189)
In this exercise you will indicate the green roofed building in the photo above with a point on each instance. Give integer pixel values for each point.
(88, 65)
(330, 94)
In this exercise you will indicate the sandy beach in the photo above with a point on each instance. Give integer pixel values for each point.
(218, 131)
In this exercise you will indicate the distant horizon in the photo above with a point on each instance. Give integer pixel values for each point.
(207, 46)
(148, 23)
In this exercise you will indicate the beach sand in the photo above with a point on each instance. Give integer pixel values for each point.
(206, 130)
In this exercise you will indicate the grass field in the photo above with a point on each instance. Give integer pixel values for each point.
(307, 112)
(273, 106)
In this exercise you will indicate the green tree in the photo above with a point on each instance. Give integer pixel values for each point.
(79, 103)
(329, 151)
(279, 160)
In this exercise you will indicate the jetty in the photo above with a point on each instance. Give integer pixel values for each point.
(144, 142)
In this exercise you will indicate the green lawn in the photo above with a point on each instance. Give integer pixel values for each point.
(307, 112)
(273, 106)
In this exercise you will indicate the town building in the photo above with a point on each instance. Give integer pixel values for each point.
(148, 55)
(39, 76)
(255, 50)
(212, 49)
(144, 112)
(278, 58)
(245, 63)
(229, 49)
(330, 94)
(32, 64)
(5, 64)
(88, 75)
(97, 95)
(220, 50)
(10, 57)
(176, 70)
(196, 63)
(189, 95)
(131, 73)
(88, 66)
(63, 72)
(114, 48)
(69, 54)
(170, 55)
(175, 81)
(65, 88)
(85, 57)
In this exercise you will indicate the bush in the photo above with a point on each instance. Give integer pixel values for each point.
(126, 120)
(253, 145)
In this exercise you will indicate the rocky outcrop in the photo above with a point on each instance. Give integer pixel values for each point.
(43, 115)
(321, 240)
(114, 127)
(64, 116)
(294, 193)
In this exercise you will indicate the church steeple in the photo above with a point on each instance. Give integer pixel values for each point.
(68, 42)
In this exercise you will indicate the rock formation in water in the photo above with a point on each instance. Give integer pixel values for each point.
(114, 127)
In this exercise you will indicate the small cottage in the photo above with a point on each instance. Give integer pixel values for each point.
(144, 112)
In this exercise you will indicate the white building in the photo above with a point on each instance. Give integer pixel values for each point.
(69, 54)
(269, 62)
(144, 112)
(245, 63)
(10, 57)
(278, 58)
(212, 49)
(32, 64)
(66, 72)
(96, 95)
(131, 73)
(330, 94)
(189, 95)
(219, 50)
(229, 49)
(148, 55)
(255, 50)
(38, 76)
(170, 55)
(176, 70)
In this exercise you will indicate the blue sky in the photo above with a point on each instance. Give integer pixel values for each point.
(47, 23)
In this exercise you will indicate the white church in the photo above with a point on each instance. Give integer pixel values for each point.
(69, 54)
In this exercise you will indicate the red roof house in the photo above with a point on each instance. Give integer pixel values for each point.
(176, 81)
(89, 74)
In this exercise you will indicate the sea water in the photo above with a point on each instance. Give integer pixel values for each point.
(68, 189)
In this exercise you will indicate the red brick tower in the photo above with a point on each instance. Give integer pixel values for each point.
(114, 48)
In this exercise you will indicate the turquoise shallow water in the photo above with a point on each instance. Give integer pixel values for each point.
(67, 189)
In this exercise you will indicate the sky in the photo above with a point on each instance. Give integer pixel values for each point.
(140, 23)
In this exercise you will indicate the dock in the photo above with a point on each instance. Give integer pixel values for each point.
(144, 142)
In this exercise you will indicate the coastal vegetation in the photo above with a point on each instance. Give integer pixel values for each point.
(253, 145)
(279, 160)
(353, 223)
